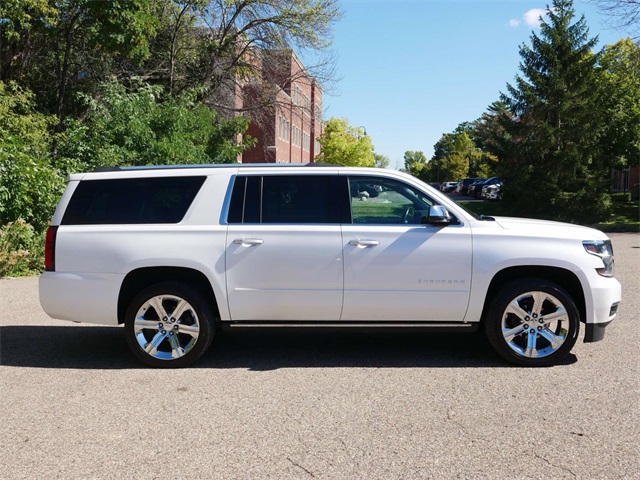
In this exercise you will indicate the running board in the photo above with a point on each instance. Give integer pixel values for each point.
(293, 325)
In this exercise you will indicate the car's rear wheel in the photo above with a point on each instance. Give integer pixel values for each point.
(533, 322)
(169, 325)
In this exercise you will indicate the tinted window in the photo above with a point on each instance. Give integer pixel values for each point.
(288, 199)
(132, 200)
(245, 200)
(236, 205)
(252, 203)
(299, 199)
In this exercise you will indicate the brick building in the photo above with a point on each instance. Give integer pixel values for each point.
(286, 132)
(626, 180)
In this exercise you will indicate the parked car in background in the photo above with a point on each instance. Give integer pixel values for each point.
(448, 187)
(473, 187)
(463, 185)
(492, 192)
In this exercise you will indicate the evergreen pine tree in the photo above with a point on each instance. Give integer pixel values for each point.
(554, 168)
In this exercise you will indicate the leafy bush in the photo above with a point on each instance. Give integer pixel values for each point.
(147, 127)
(621, 197)
(29, 185)
(21, 249)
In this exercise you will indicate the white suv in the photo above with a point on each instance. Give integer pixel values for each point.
(175, 253)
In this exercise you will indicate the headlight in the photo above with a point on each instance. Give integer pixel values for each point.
(604, 250)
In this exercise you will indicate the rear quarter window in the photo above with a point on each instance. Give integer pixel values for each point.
(132, 200)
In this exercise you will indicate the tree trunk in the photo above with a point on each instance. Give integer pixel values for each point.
(64, 72)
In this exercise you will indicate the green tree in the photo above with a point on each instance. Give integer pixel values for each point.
(554, 168)
(68, 46)
(412, 158)
(144, 126)
(222, 45)
(29, 185)
(619, 88)
(490, 130)
(19, 20)
(382, 161)
(343, 144)
(416, 164)
(456, 156)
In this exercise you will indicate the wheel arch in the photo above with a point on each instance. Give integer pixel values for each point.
(560, 276)
(140, 278)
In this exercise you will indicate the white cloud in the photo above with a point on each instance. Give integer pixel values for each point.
(532, 17)
(513, 23)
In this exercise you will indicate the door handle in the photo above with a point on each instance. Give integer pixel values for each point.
(364, 243)
(248, 241)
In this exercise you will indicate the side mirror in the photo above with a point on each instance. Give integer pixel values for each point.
(438, 216)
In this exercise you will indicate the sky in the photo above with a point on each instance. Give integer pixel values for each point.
(411, 70)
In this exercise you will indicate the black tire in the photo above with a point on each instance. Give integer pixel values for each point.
(546, 310)
(170, 342)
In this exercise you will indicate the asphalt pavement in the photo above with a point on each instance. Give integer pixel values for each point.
(74, 403)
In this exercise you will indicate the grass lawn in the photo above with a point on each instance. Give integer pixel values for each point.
(626, 216)
(375, 212)
(485, 207)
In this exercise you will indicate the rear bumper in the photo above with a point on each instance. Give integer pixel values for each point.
(91, 298)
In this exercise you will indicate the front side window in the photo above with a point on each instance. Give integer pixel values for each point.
(385, 201)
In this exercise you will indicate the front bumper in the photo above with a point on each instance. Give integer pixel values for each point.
(606, 296)
(594, 332)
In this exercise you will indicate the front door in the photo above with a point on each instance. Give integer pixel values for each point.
(396, 268)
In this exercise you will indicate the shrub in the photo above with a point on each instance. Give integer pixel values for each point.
(29, 185)
(146, 126)
(21, 249)
(621, 197)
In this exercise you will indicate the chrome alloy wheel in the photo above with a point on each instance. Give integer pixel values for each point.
(535, 324)
(166, 327)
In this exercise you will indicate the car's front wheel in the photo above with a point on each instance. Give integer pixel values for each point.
(533, 322)
(169, 325)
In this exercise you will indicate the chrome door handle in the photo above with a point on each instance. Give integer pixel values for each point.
(248, 241)
(364, 243)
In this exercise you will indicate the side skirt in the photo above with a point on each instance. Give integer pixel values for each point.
(352, 326)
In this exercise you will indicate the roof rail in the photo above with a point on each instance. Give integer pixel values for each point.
(212, 165)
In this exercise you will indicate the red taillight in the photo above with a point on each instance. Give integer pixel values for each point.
(50, 250)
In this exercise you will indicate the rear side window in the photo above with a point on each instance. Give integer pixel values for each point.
(132, 200)
(316, 199)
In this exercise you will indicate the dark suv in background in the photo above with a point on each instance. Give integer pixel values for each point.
(475, 189)
(463, 186)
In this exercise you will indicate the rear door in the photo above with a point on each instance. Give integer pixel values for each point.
(284, 248)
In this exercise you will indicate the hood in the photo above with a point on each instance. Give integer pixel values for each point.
(547, 228)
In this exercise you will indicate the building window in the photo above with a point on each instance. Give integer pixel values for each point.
(317, 147)
(297, 136)
(296, 95)
(284, 128)
(306, 141)
(300, 99)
